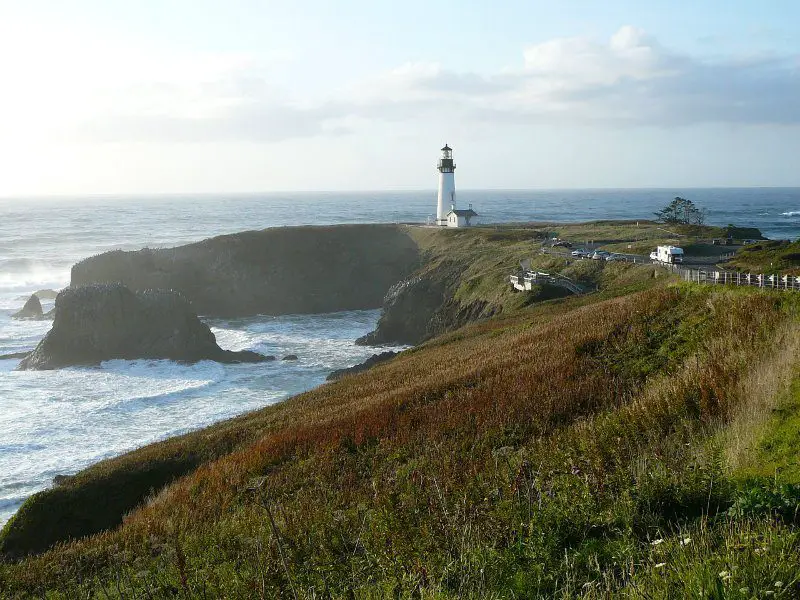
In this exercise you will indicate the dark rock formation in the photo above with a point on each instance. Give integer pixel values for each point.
(290, 357)
(104, 322)
(275, 271)
(367, 364)
(424, 306)
(407, 311)
(420, 307)
(453, 314)
(14, 356)
(31, 311)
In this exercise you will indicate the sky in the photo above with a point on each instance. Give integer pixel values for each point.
(177, 96)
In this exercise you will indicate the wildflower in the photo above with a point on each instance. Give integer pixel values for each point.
(659, 565)
(657, 542)
(724, 574)
(778, 584)
(686, 541)
(769, 593)
(744, 590)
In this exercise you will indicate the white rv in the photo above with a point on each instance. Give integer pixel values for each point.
(667, 254)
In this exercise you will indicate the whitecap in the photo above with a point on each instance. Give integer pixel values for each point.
(791, 213)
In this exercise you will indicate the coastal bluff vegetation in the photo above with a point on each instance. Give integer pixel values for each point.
(635, 442)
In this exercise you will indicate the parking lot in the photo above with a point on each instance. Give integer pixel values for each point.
(592, 252)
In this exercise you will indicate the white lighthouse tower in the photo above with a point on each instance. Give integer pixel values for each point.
(447, 186)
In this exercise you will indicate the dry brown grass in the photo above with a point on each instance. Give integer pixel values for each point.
(493, 447)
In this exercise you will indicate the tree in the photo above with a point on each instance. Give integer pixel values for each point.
(682, 211)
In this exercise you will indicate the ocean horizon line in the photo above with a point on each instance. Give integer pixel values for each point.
(177, 195)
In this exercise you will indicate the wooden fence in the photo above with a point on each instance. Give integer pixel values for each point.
(525, 281)
(717, 277)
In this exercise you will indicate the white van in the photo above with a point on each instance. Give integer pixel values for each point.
(667, 254)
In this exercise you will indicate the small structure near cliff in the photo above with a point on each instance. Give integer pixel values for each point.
(104, 322)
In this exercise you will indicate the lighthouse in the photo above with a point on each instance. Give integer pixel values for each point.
(447, 186)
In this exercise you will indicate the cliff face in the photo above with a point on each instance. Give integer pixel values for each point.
(426, 305)
(275, 271)
(463, 277)
(103, 322)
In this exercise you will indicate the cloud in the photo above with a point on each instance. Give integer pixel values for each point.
(628, 79)
(126, 93)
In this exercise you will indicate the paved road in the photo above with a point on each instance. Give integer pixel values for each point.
(699, 261)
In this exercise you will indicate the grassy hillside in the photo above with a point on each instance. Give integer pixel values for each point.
(768, 257)
(642, 237)
(632, 446)
(464, 277)
(99, 497)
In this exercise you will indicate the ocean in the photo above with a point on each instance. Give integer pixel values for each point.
(56, 423)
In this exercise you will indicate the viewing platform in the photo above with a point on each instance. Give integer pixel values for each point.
(524, 282)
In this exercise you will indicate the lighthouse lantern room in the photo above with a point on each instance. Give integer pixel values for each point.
(447, 185)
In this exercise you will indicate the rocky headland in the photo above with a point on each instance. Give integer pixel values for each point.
(285, 270)
(448, 278)
(108, 321)
(427, 281)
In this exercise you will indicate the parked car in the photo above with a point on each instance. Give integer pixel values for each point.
(615, 257)
(562, 244)
(580, 253)
(599, 255)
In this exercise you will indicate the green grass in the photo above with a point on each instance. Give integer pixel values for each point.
(577, 448)
(637, 442)
(768, 257)
(777, 452)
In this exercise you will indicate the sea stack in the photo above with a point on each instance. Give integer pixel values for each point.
(105, 322)
(31, 311)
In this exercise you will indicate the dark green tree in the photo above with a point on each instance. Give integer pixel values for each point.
(682, 211)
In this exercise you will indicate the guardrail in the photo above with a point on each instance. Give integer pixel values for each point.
(689, 274)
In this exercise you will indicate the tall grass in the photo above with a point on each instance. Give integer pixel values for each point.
(566, 451)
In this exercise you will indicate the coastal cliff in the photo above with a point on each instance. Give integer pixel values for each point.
(286, 270)
(463, 278)
(427, 280)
